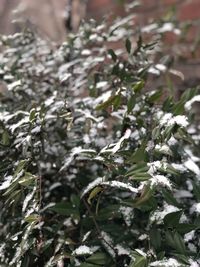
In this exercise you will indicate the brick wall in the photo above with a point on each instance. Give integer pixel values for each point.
(48, 17)
(186, 49)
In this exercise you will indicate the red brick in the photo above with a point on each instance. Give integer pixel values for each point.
(98, 3)
(148, 3)
(171, 2)
(189, 10)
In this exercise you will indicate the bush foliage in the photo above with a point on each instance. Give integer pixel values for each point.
(97, 169)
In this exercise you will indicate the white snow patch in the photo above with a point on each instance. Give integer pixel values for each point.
(178, 167)
(128, 214)
(28, 198)
(169, 120)
(82, 250)
(113, 148)
(122, 251)
(188, 104)
(11, 86)
(102, 98)
(121, 185)
(101, 84)
(158, 216)
(192, 166)
(172, 141)
(156, 165)
(167, 263)
(195, 208)
(168, 27)
(160, 180)
(86, 236)
(143, 237)
(193, 263)
(6, 183)
(189, 236)
(163, 149)
(108, 243)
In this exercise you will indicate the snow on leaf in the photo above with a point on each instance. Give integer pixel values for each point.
(128, 214)
(192, 166)
(113, 148)
(194, 263)
(195, 208)
(102, 98)
(159, 215)
(76, 151)
(108, 243)
(154, 166)
(82, 250)
(6, 182)
(121, 185)
(163, 149)
(166, 263)
(189, 236)
(11, 86)
(178, 167)
(122, 251)
(18, 124)
(168, 26)
(169, 120)
(101, 84)
(160, 180)
(93, 184)
(28, 199)
(188, 104)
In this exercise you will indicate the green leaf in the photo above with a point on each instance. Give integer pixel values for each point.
(32, 218)
(128, 46)
(107, 103)
(140, 177)
(155, 239)
(155, 96)
(175, 241)
(131, 103)
(112, 54)
(27, 179)
(196, 190)
(64, 208)
(144, 197)
(98, 259)
(169, 198)
(20, 166)
(184, 228)
(94, 192)
(137, 87)
(172, 219)
(5, 138)
(140, 154)
(139, 260)
(32, 115)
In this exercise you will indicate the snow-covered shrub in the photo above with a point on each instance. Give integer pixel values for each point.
(96, 168)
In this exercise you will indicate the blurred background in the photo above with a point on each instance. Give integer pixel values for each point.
(53, 19)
